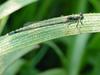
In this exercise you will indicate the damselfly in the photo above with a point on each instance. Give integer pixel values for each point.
(70, 20)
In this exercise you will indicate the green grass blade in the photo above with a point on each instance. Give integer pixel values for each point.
(14, 46)
(44, 8)
(39, 56)
(13, 69)
(77, 54)
(3, 23)
(13, 5)
(56, 71)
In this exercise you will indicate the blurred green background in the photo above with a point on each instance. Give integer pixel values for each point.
(71, 55)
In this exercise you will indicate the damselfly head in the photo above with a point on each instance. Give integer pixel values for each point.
(81, 16)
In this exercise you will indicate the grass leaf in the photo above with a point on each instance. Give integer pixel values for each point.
(16, 45)
(11, 6)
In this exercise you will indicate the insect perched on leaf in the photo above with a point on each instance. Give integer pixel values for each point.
(70, 19)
